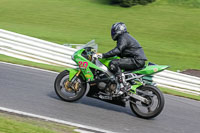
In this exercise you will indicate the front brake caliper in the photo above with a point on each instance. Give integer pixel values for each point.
(67, 88)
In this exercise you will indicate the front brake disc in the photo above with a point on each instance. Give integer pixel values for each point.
(76, 86)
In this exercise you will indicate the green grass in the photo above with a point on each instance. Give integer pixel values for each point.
(168, 32)
(15, 124)
(189, 3)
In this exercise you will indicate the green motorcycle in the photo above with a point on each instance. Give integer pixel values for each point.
(145, 99)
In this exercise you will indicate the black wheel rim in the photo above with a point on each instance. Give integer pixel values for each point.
(147, 109)
(63, 91)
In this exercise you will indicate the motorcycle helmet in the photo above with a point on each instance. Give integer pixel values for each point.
(117, 29)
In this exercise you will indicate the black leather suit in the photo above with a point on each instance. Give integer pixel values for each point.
(131, 53)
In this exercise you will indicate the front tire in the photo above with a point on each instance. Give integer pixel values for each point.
(67, 93)
(151, 110)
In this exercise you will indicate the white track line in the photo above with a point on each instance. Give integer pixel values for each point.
(82, 131)
(93, 129)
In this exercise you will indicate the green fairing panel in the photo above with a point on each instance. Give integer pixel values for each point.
(148, 70)
(72, 72)
(78, 57)
(85, 65)
(106, 61)
(146, 79)
(134, 87)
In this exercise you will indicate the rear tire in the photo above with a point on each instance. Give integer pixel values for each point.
(68, 94)
(137, 106)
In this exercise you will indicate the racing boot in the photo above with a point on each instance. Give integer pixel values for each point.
(127, 86)
(124, 86)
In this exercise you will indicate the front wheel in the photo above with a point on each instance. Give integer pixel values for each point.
(68, 91)
(154, 106)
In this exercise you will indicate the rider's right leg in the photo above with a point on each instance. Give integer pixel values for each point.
(127, 64)
(120, 78)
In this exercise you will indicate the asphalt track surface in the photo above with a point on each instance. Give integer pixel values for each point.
(32, 91)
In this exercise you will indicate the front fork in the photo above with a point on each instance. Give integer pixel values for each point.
(75, 77)
(70, 83)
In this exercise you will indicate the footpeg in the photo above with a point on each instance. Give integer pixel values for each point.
(105, 97)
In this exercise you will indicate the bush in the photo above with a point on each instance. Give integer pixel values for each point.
(126, 3)
(143, 2)
(129, 3)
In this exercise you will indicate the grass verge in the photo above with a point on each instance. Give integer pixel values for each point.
(181, 94)
(10, 123)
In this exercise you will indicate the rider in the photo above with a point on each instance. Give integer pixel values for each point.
(130, 51)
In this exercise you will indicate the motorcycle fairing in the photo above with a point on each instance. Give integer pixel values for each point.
(85, 65)
(151, 69)
(106, 61)
(72, 72)
(134, 87)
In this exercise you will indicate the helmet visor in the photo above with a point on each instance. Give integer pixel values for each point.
(113, 32)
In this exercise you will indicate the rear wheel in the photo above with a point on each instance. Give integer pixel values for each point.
(154, 106)
(68, 91)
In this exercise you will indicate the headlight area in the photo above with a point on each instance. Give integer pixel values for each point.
(72, 57)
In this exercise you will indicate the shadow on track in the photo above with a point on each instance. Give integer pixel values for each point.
(97, 103)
